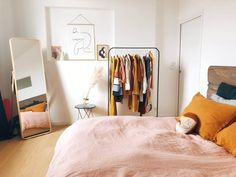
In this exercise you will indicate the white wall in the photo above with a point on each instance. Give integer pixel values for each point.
(6, 31)
(168, 41)
(136, 23)
(219, 37)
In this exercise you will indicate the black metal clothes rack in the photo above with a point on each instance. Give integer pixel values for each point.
(135, 48)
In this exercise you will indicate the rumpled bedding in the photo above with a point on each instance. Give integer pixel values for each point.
(31, 120)
(136, 146)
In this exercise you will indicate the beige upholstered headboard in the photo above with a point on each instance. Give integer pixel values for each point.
(218, 74)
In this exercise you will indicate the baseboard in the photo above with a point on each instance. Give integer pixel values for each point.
(61, 123)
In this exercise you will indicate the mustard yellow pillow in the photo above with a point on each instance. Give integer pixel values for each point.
(227, 138)
(212, 116)
(37, 108)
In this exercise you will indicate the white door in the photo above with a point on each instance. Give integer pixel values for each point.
(190, 60)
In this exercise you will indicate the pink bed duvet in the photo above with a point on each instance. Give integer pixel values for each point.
(31, 120)
(139, 147)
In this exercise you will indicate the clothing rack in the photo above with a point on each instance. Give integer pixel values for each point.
(135, 48)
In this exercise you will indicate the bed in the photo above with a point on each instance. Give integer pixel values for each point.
(34, 123)
(139, 146)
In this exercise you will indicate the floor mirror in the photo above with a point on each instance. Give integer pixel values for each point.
(30, 86)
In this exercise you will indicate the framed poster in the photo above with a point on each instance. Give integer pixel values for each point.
(102, 52)
(80, 42)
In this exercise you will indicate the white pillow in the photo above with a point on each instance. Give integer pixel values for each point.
(185, 125)
(219, 99)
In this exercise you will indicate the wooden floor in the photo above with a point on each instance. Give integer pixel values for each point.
(28, 158)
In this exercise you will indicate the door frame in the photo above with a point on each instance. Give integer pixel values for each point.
(180, 43)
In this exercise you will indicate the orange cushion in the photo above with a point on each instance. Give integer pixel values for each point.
(227, 138)
(36, 108)
(212, 116)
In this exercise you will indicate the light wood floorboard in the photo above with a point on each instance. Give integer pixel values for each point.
(28, 158)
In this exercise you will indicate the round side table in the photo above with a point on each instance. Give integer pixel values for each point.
(87, 109)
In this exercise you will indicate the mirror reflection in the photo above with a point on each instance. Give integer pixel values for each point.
(30, 87)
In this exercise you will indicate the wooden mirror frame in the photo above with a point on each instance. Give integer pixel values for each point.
(16, 90)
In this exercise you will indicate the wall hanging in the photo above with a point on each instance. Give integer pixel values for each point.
(80, 39)
(102, 52)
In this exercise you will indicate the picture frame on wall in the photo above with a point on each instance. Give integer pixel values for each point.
(80, 42)
(102, 52)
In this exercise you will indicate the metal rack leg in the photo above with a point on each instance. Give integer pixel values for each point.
(87, 113)
(80, 116)
(91, 113)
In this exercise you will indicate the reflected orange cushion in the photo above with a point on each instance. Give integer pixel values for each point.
(227, 138)
(36, 108)
(212, 116)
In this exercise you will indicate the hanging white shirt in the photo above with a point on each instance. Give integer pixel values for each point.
(144, 77)
(127, 72)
